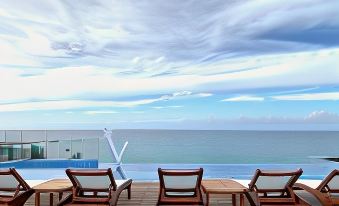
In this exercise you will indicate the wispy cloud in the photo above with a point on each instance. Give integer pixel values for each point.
(205, 94)
(244, 98)
(71, 104)
(325, 96)
(80, 104)
(95, 112)
(171, 106)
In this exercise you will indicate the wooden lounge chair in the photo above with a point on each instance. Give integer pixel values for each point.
(326, 194)
(180, 187)
(95, 187)
(273, 188)
(13, 188)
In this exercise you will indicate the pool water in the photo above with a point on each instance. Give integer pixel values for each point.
(51, 163)
(149, 171)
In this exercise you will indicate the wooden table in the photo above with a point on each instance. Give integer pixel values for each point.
(51, 186)
(224, 187)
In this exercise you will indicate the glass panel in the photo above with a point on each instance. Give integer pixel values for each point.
(91, 149)
(65, 149)
(33, 135)
(3, 153)
(13, 136)
(76, 149)
(26, 151)
(38, 150)
(53, 150)
(2, 136)
(14, 152)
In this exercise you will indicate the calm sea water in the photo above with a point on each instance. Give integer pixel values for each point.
(191, 147)
(227, 147)
(222, 154)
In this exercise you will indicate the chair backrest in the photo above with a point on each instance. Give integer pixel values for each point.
(273, 181)
(99, 180)
(174, 181)
(330, 183)
(10, 180)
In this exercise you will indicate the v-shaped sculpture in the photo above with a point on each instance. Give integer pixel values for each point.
(117, 157)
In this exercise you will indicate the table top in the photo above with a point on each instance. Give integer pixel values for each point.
(222, 186)
(54, 185)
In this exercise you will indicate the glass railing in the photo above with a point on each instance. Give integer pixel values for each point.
(52, 144)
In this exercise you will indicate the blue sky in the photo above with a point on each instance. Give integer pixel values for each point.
(169, 64)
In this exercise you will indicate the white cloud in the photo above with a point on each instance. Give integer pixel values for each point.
(325, 96)
(182, 93)
(322, 117)
(171, 106)
(205, 94)
(71, 104)
(78, 104)
(244, 98)
(95, 112)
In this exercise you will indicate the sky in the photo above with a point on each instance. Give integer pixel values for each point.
(218, 64)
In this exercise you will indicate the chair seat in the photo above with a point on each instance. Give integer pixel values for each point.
(179, 194)
(180, 187)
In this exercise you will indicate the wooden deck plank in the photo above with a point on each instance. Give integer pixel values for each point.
(144, 194)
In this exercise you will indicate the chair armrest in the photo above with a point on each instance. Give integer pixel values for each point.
(309, 193)
(65, 200)
(21, 198)
(252, 198)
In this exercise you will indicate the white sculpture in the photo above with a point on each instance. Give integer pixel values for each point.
(117, 157)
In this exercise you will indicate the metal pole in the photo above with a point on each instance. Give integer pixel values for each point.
(58, 149)
(46, 141)
(71, 146)
(98, 147)
(82, 148)
(22, 146)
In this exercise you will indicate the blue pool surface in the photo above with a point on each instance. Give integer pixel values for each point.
(230, 171)
(51, 163)
(148, 172)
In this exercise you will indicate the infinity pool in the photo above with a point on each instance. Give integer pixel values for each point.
(149, 171)
(50, 163)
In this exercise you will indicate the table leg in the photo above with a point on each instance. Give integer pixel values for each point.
(51, 199)
(60, 195)
(207, 199)
(234, 200)
(242, 202)
(37, 199)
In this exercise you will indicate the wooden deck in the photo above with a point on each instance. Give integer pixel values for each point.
(144, 194)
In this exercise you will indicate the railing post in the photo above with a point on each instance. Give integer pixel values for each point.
(82, 148)
(98, 148)
(22, 146)
(46, 144)
(71, 147)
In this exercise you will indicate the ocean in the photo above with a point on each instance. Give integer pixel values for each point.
(188, 146)
(227, 147)
(226, 154)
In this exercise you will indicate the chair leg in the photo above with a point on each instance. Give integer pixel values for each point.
(129, 191)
